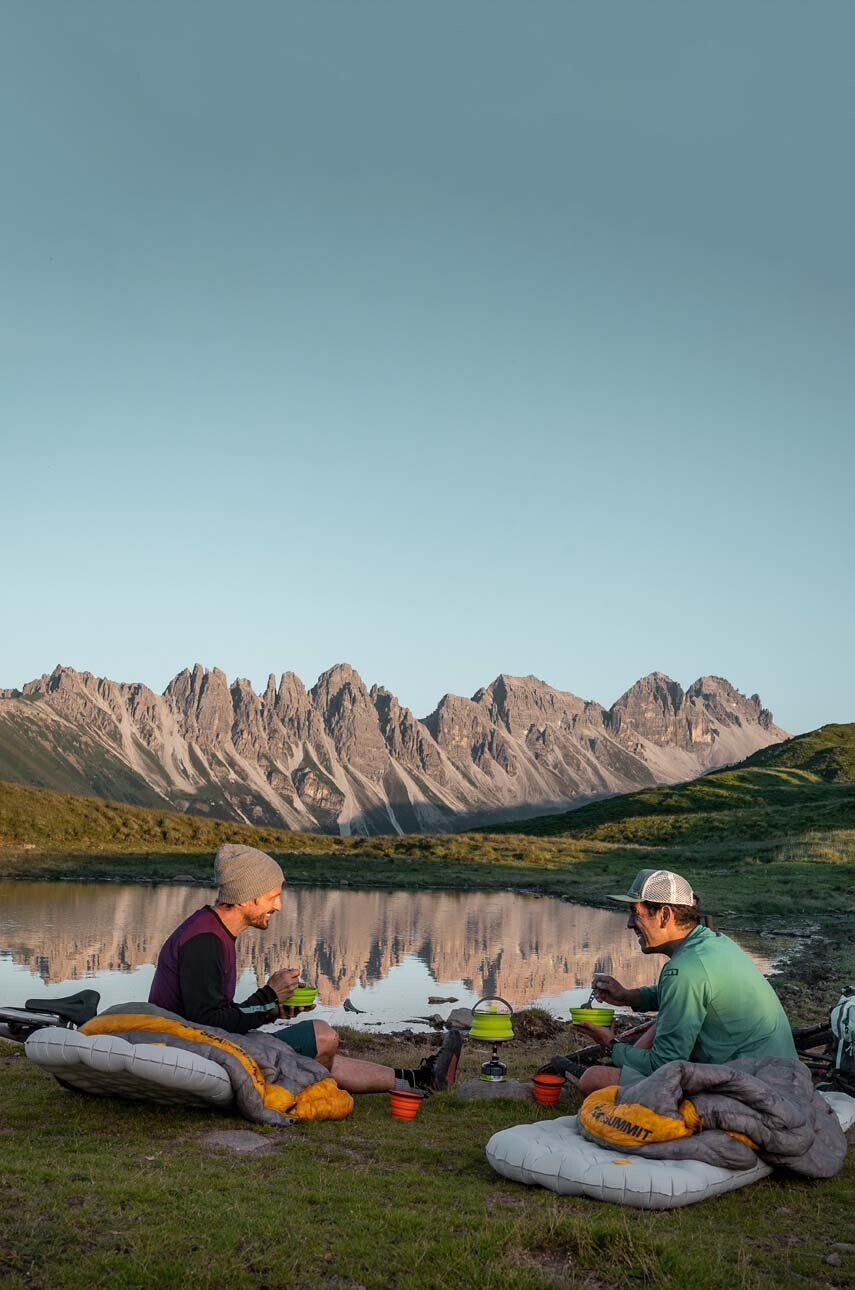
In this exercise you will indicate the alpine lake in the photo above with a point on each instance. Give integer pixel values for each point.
(382, 960)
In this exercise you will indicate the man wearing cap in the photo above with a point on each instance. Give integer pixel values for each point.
(712, 1001)
(196, 975)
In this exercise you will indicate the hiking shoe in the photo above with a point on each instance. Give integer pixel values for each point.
(436, 1073)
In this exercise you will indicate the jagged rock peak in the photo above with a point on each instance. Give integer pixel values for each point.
(449, 707)
(520, 702)
(656, 687)
(203, 700)
(191, 678)
(408, 740)
(335, 679)
(654, 708)
(722, 699)
(291, 694)
(385, 701)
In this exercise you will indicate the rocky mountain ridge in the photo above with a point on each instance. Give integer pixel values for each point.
(341, 757)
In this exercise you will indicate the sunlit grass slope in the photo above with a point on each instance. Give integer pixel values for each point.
(46, 820)
(803, 785)
(828, 752)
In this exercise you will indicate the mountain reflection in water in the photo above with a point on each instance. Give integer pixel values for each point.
(386, 950)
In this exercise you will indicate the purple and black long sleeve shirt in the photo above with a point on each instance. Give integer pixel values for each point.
(196, 976)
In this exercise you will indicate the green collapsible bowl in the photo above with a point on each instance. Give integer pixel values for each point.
(303, 997)
(594, 1016)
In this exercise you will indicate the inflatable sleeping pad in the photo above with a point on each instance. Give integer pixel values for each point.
(554, 1154)
(109, 1066)
(139, 1052)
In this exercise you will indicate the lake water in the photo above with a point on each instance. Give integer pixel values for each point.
(386, 952)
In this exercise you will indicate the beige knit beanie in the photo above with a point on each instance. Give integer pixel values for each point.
(242, 873)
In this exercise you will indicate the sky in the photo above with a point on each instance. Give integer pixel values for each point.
(445, 340)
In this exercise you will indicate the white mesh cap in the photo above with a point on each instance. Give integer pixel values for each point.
(660, 887)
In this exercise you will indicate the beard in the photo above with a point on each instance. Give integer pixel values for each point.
(261, 921)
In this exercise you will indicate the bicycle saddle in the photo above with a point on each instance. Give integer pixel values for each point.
(76, 1008)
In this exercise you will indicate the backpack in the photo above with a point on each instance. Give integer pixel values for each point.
(842, 1074)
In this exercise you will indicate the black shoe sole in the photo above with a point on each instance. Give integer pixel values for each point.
(447, 1061)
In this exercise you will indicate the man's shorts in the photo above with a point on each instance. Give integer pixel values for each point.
(300, 1036)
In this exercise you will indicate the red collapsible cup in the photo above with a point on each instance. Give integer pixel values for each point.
(404, 1103)
(547, 1089)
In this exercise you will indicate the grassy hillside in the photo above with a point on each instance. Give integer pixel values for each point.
(751, 804)
(716, 830)
(42, 819)
(53, 755)
(828, 752)
(804, 784)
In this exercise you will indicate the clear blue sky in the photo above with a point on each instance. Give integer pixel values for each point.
(442, 339)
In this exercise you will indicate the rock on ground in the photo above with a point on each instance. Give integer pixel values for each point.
(479, 1090)
(243, 1142)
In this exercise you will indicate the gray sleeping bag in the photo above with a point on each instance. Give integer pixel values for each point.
(770, 1100)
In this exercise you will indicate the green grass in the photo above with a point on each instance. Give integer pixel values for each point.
(45, 820)
(742, 804)
(802, 784)
(99, 1193)
(828, 752)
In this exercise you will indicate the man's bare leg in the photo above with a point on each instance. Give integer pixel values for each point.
(348, 1073)
(370, 1077)
(362, 1077)
(597, 1077)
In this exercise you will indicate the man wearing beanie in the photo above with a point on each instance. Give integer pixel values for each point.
(196, 976)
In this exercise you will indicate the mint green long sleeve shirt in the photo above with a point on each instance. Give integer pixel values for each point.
(714, 1005)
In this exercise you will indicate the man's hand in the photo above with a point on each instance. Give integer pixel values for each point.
(609, 990)
(600, 1034)
(284, 982)
(287, 1013)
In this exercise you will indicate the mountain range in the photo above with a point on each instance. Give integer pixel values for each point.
(343, 758)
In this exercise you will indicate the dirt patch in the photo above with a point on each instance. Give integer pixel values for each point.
(535, 1023)
(813, 972)
(560, 1272)
(340, 1155)
(335, 1283)
(507, 1200)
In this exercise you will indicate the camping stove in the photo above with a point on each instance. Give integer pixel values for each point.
(494, 1025)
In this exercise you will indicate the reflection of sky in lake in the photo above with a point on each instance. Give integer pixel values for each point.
(385, 951)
